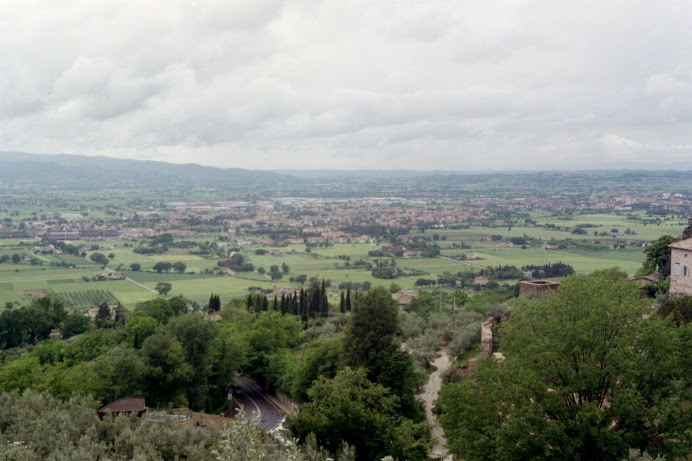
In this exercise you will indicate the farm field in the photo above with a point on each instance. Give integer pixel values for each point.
(328, 262)
(600, 222)
(199, 290)
(13, 283)
(629, 260)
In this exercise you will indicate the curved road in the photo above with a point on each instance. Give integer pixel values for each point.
(257, 406)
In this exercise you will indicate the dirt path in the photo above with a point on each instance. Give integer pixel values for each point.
(463, 262)
(430, 392)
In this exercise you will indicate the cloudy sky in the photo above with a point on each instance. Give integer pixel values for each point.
(350, 84)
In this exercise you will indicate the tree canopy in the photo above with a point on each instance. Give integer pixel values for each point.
(588, 375)
(658, 256)
(350, 408)
(369, 343)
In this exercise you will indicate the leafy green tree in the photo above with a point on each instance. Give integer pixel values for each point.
(423, 304)
(139, 327)
(135, 267)
(369, 343)
(163, 309)
(75, 324)
(267, 334)
(678, 308)
(20, 374)
(195, 334)
(127, 372)
(658, 256)
(162, 266)
(12, 328)
(586, 376)
(99, 258)
(36, 321)
(322, 358)
(4, 259)
(163, 288)
(687, 233)
(229, 351)
(167, 371)
(16, 258)
(353, 409)
(179, 267)
(103, 316)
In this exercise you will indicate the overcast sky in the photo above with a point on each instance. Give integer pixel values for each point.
(434, 84)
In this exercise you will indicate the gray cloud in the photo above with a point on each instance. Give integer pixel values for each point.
(439, 84)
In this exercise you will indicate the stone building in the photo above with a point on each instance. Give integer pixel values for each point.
(680, 263)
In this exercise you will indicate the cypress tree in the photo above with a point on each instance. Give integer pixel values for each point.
(324, 301)
(265, 303)
(301, 306)
(258, 303)
(348, 300)
(214, 303)
(249, 302)
(275, 305)
(342, 304)
(315, 300)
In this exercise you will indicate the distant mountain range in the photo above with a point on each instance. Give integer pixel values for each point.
(21, 170)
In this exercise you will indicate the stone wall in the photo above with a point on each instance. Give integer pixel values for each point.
(487, 336)
(529, 288)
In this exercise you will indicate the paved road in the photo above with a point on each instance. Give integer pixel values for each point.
(256, 405)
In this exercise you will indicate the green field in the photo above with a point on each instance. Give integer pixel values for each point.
(324, 262)
(13, 282)
(85, 300)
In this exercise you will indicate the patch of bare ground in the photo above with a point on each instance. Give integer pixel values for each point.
(429, 395)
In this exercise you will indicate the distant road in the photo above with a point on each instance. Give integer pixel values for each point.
(463, 262)
(134, 281)
(141, 285)
(255, 404)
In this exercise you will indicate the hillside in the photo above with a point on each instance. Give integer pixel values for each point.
(22, 170)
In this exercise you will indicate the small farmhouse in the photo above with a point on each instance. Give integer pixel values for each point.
(125, 406)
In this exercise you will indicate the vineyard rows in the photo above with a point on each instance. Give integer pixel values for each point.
(84, 300)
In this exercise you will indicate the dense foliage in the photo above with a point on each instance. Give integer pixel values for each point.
(37, 427)
(587, 375)
(370, 404)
